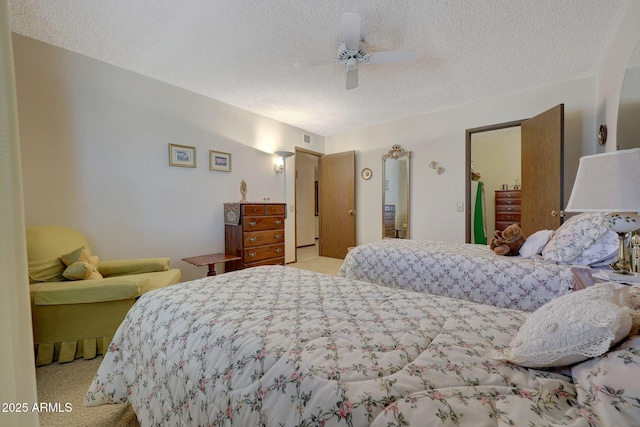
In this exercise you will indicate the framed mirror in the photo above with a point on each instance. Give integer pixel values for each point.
(396, 166)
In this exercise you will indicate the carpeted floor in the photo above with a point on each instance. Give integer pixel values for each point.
(68, 382)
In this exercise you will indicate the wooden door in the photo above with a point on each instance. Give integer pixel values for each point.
(336, 177)
(542, 139)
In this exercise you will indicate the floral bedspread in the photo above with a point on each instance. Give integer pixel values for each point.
(279, 346)
(459, 270)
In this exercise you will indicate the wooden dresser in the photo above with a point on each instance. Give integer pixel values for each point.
(507, 208)
(255, 233)
(389, 220)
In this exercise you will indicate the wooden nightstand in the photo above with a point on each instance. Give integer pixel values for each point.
(211, 260)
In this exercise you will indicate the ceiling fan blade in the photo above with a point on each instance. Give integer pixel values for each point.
(352, 78)
(389, 57)
(313, 63)
(351, 30)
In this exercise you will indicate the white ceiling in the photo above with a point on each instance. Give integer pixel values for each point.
(241, 52)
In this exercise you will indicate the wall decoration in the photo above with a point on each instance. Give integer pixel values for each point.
(219, 161)
(182, 155)
(366, 173)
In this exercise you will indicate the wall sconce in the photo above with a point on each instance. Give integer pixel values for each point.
(278, 166)
(439, 169)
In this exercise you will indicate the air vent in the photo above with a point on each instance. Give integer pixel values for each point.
(307, 139)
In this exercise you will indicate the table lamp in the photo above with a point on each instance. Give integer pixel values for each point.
(610, 182)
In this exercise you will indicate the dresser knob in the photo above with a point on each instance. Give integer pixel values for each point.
(278, 250)
(253, 239)
(252, 254)
(278, 221)
(252, 223)
(278, 236)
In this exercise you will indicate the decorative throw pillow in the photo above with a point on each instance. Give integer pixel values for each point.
(574, 237)
(602, 249)
(571, 328)
(79, 255)
(81, 271)
(535, 243)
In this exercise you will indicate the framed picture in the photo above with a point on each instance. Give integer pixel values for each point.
(182, 155)
(219, 161)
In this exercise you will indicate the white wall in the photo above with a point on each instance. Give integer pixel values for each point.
(440, 137)
(612, 73)
(95, 157)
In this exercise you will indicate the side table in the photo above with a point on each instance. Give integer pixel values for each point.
(211, 260)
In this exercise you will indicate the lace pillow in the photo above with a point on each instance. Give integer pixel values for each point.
(535, 243)
(574, 237)
(571, 328)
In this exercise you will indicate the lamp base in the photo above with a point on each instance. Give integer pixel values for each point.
(622, 223)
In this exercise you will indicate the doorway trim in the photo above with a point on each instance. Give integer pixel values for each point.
(468, 135)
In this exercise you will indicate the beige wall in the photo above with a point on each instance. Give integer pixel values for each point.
(95, 156)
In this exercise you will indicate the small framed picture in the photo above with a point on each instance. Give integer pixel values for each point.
(219, 161)
(182, 155)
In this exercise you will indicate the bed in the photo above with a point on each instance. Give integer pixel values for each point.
(280, 346)
(473, 272)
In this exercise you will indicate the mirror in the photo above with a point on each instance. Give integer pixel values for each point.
(628, 132)
(395, 193)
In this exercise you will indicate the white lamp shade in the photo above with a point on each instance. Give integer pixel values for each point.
(608, 182)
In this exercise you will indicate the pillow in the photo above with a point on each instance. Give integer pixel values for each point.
(80, 255)
(601, 250)
(81, 271)
(571, 328)
(608, 388)
(574, 237)
(535, 243)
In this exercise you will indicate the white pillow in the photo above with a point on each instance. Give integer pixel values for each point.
(535, 243)
(602, 249)
(571, 328)
(574, 237)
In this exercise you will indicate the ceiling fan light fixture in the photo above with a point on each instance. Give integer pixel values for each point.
(352, 64)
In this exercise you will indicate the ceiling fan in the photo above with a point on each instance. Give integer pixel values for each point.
(352, 51)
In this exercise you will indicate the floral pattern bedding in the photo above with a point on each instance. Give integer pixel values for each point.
(459, 270)
(279, 346)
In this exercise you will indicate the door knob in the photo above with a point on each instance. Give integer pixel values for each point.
(352, 211)
(554, 213)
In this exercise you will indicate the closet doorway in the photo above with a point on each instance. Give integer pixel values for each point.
(542, 170)
(306, 204)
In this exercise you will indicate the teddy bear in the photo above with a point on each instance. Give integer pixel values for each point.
(508, 241)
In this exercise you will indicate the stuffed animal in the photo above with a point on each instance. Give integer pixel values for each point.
(508, 241)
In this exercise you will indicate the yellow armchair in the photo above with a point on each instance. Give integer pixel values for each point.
(77, 318)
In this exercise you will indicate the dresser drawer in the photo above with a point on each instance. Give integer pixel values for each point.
(259, 238)
(263, 223)
(272, 261)
(508, 208)
(252, 210)
(502, 196)
(276, 210)
(263, 252)
(513, 218)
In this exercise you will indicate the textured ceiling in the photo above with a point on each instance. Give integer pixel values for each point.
(241, 52)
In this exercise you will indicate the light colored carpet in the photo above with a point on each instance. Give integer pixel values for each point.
(64, 383)
(68, 382)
